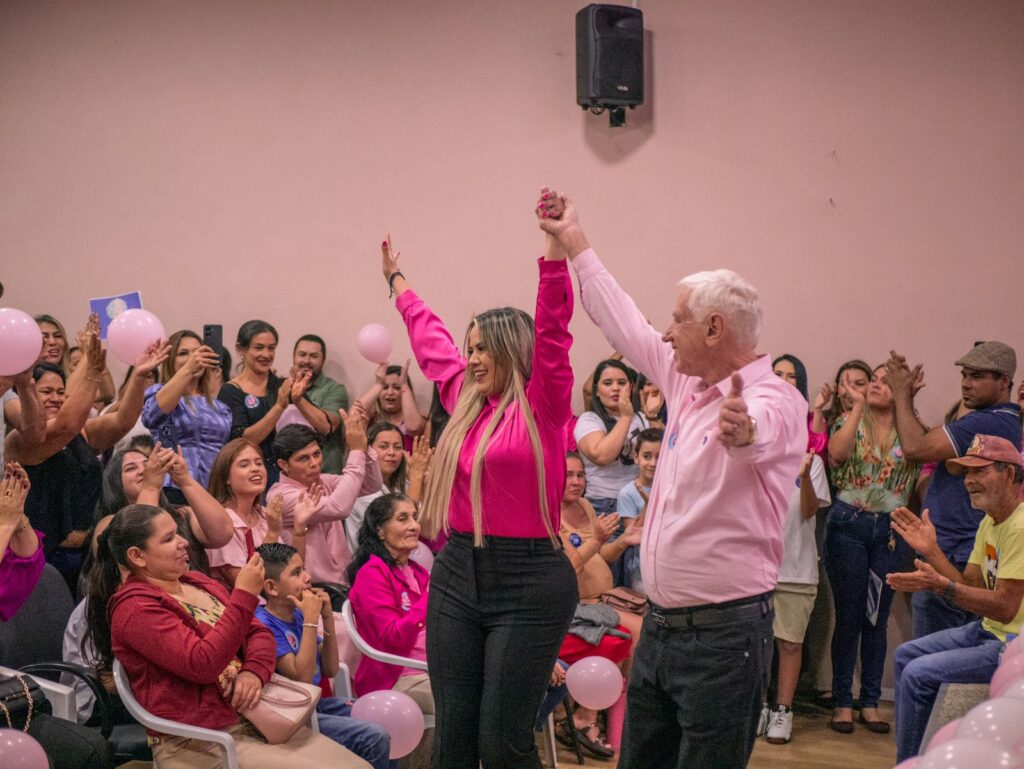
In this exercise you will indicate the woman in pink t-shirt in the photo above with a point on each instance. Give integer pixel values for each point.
(502, 592)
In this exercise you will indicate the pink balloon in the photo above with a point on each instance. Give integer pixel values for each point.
(422, 556)
(131, 332)
(910, 763)
(397, 713)
(1015, 647)
(594, 682)
(999, 721)
(1014, 691)
(20, 341)
(20, 751)
(1007, 672)
(964, 753)
(374, 342)
(945, 734)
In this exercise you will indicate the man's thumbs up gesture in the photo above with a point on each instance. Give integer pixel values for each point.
(735, 425)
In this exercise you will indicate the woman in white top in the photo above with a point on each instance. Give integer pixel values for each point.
(605, 435)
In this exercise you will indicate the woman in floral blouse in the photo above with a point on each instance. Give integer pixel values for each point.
(872, 478)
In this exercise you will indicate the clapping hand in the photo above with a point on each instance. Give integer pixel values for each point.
(157, 465)
(824, 397)
(13, 490)
(151, 358)
(925, 578)
(274, 518)
(919, 533)
(250, 577)
(901, 377)
(633, 532)
(355, 427)
(735, 427)
(605, 526)
(306, 505)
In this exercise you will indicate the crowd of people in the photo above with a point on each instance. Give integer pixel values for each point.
(204, 513)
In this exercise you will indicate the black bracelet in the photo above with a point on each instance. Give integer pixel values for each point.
(391, 282)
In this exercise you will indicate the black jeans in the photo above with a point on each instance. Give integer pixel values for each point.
(496, 617)
(697, 685)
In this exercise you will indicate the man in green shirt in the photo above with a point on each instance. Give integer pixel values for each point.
(991, 586)
(323, 400)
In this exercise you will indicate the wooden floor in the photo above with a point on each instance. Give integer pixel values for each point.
(814, 746)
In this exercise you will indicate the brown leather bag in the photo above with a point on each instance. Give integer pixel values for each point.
(624, 599)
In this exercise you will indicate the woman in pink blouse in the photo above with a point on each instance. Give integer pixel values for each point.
(502, 592)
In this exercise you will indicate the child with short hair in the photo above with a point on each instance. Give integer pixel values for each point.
(632, 503)
(291, 612)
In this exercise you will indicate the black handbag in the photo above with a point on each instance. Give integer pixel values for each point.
(21, 698)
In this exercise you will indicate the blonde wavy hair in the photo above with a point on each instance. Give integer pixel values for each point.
(507, 334)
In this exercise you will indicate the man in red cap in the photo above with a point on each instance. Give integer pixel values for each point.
(986, 386)
(991, 586)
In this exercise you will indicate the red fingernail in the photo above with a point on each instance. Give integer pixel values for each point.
(544, 215)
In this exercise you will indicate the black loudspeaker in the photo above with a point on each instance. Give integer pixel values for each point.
(609, 56)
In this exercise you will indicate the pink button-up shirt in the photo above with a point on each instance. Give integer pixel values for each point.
(715, 516)
(327, 551)
(509, 481)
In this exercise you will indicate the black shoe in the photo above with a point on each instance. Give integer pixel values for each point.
(593, 747)
(843, 727)
(878, 727)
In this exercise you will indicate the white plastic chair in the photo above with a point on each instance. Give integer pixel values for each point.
(394, 659)
(176, 728)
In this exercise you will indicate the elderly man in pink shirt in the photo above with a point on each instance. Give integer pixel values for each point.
(299, 455)
(712, 542)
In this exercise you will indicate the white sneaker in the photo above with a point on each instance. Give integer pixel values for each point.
(764, 720)
(780, 730)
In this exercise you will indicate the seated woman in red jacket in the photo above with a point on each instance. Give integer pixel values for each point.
(389, 598)
(192, 652)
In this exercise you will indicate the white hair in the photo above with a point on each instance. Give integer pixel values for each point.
(728, 293)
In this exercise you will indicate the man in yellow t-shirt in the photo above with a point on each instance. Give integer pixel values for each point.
(992, 586)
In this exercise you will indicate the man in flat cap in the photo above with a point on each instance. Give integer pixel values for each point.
(991, 586)
(986, 385)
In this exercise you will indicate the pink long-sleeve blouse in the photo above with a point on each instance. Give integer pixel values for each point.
(509, 482)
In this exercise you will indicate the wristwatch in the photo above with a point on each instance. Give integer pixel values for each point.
(753, 430)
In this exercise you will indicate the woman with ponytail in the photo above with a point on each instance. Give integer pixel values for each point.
(502, 592)
(191, 651)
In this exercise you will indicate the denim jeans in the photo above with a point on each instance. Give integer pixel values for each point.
(497, 616)
(963, 655)
(368, 741)
(604, 506)
(858, 557)
(695, 693)
(932, 613)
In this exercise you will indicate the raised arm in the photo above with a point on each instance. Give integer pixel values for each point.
(436, 353)
(81, 393)
(918, 443)
(208, 519)
(614, 312)
(167, 397)
(550, 388)
(102, 432)
(24, 413)
(843, 440)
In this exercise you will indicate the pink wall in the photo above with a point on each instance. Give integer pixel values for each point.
(860, 162)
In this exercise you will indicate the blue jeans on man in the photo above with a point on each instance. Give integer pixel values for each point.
(367, 740)
(963, 655)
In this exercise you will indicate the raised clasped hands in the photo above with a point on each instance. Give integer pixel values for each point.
(900, 377)
(735, 427)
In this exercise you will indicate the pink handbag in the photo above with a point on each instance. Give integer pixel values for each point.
(284, 706)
